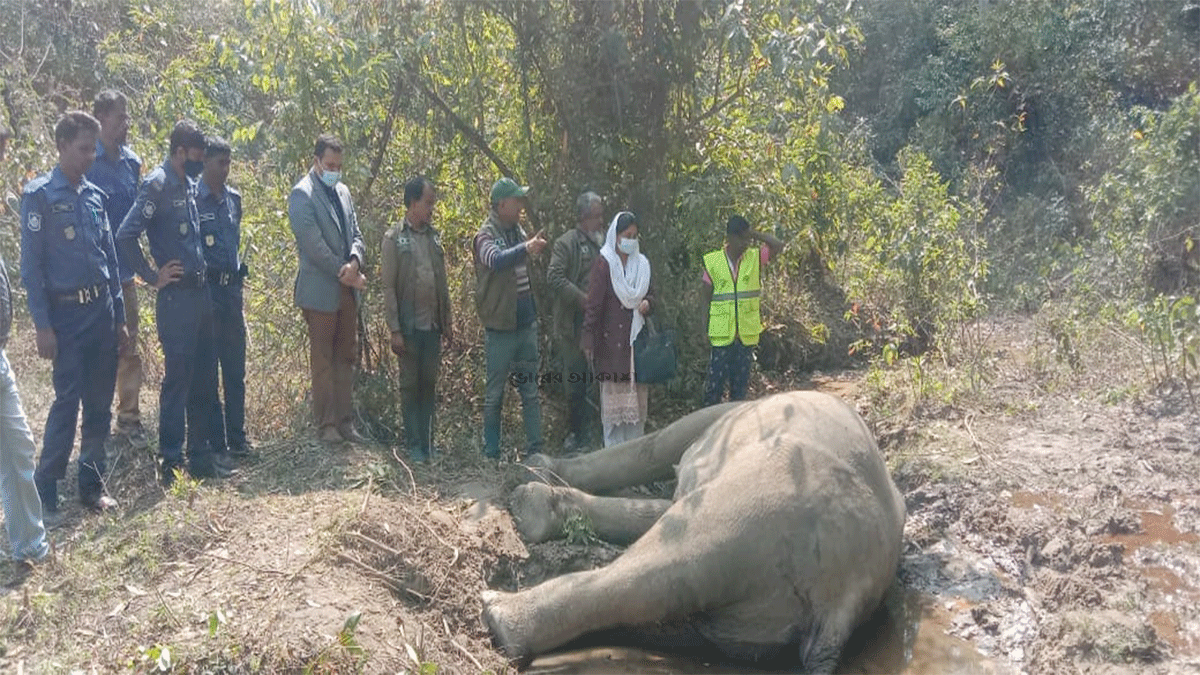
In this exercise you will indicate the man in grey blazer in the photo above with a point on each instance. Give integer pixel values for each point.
(328, 286)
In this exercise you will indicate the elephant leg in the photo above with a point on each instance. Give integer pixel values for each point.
(541, 512)
(648, 458)
(633, 591)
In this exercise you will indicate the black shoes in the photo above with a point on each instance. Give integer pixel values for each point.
(213, 468)
(216, 466)
(242, 451)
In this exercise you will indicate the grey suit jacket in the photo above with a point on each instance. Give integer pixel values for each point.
(322, 245)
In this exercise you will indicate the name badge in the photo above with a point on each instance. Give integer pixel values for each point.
(179, 203)
(62, 207)
(205, 217)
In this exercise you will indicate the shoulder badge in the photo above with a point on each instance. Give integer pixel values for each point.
(34, 221)
(148, 210)
(69, 233)
(210, 240)
(183, 228)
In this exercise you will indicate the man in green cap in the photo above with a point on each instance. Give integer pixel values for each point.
(506, 309)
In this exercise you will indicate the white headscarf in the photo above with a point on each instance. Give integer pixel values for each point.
(630, 280)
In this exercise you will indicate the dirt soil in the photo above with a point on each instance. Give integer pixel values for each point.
(1053, 526)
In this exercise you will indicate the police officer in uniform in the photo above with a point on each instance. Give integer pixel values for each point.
(220, 208)
(116, 171)
(165, 209)
(69, 269)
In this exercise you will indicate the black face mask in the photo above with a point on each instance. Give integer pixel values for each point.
(192, 167)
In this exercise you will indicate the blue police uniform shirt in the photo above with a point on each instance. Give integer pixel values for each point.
(66, 244)
(220, 227)
(119, 180)
(165, 209)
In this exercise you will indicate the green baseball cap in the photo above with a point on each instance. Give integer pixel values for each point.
(507, 187)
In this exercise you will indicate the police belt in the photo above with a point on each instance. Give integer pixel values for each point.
(223, 278)
(190, 280)
(82, 296)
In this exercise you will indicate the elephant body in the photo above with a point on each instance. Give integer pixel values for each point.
(784, 533)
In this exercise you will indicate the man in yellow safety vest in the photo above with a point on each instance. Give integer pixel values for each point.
(732, 285)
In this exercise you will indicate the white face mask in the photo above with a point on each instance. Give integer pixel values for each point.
(627, 246)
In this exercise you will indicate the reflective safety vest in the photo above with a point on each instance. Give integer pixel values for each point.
(733, 311)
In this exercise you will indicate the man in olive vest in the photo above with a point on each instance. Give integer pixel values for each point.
(732, 285)
(506, 309)
(416, 299)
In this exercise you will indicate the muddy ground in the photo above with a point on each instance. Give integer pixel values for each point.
(1053, 527)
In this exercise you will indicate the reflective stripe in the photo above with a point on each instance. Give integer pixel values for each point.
(736, 295)
(734, 313)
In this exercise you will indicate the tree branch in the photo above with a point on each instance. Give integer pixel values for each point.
(385, 136)
(718, 106)
(465, 129)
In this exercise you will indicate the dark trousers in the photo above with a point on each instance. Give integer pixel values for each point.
(579, 387)
(731, 364)
(419, 366)
(184, 316)
(229, 337)
(85, 371)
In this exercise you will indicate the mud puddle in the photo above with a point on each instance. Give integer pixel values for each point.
(906, 635)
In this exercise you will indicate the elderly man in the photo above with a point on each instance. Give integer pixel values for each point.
(328, 286)
(506, 309)
(417, 301)
(571, 261)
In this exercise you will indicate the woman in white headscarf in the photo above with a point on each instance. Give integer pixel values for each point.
(618, 299)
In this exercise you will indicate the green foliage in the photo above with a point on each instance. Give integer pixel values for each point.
(345, 652)
(578, 530)
(159, 658)
(917, 267)
(922, 159)
(1170, 327)
(216, 619)
(1149, 199)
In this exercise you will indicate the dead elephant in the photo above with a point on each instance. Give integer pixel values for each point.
(784, 533)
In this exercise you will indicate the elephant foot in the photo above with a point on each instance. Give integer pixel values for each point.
(500, 621)
(541, 468)
(533, 507)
